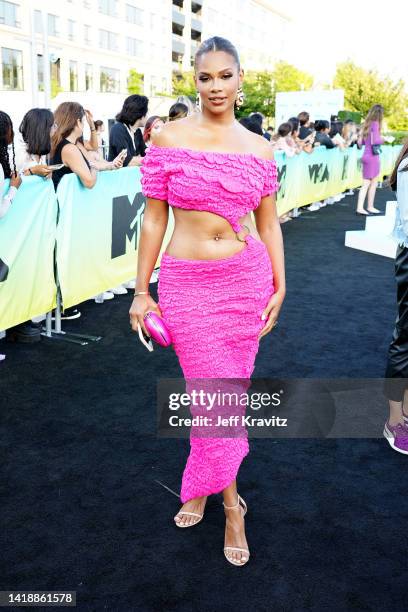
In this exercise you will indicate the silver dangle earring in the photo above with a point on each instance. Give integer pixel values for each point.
(198, 102)
(239, 100)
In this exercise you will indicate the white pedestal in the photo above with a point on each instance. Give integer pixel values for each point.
(376, 238)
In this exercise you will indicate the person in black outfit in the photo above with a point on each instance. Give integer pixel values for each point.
(126, 132)
(304, 121)
(259, 119)
(322, 128)
(69, 123)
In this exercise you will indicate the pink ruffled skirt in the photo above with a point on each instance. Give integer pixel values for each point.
(213, 311)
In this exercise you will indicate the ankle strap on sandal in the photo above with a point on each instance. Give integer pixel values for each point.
(231, 507)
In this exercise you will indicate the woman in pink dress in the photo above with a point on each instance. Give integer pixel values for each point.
(221, 282)
(371, 135)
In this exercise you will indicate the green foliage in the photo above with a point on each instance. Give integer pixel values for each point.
(135, 83)
(259, 88)
(287, 77)
(344, 115)
(259, 95)
(364, 88)
(183, 84)
(399, 135)
(55, 88)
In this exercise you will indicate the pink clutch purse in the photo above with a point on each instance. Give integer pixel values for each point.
(157, 328)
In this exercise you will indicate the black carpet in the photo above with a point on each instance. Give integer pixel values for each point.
(82, 506)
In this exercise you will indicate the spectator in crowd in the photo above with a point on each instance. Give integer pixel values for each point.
(270, 131)
(349, 133)
(102, 144)
(336, 129)
(371, 139)
(259, 118)
(91, 144)
(191, 107)
(322, 128)
(28, 331)
(305, 128)
(179, 110)
(283, 143)
(35, 142)
(252, 125)
(126, 132)
(8, 169)
(153, 125)
(295, 142)
(69, 120)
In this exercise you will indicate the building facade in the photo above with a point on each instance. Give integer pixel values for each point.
(92, 46)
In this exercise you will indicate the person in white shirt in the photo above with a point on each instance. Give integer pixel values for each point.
(7, 166)
(34, 143)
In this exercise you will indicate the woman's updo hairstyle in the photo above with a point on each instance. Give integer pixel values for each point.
(216, 43)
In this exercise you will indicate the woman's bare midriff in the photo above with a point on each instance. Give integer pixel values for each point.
(204, 235)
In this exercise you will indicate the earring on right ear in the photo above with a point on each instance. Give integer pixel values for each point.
(239, 100)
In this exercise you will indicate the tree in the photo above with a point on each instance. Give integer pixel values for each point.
(363, 88)
(258, 94)
(289, 78)
(183, 84)
(260, 88)
(135, 82)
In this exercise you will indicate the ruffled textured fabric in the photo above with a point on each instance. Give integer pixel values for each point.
(227, 184)
(213, 307)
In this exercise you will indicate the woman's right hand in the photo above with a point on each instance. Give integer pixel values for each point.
(140, 305)
(15, 180)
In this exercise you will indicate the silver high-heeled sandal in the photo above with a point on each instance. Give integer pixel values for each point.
(240, 504)
(181, 512)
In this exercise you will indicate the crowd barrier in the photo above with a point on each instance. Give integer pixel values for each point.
(308, 178)
(91, 245)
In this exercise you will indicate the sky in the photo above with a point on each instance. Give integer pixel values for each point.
(326, 32)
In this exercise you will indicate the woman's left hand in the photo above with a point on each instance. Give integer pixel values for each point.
(271, 313)
(118, 162)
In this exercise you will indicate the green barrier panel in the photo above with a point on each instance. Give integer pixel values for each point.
(27, 241)
(98, 233)
(307, 178)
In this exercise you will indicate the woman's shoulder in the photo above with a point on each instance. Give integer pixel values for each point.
(170, 135)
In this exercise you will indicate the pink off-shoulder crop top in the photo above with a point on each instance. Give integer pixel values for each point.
(227, 184)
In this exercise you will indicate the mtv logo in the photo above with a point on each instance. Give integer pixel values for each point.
(4, 270)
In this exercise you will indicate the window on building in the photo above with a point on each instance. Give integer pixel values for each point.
(108, 40)
(177, 29)
(134, 46)
(38, 22)
(88, 77)
(71, 29)
(134, 14)
(109, 80)
(108, 7)
(87, 34)
(40, 72)
(8, 14)
(52, 25)
(12, 68)
(73, 76)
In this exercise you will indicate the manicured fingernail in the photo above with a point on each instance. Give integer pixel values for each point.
(263, 317)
